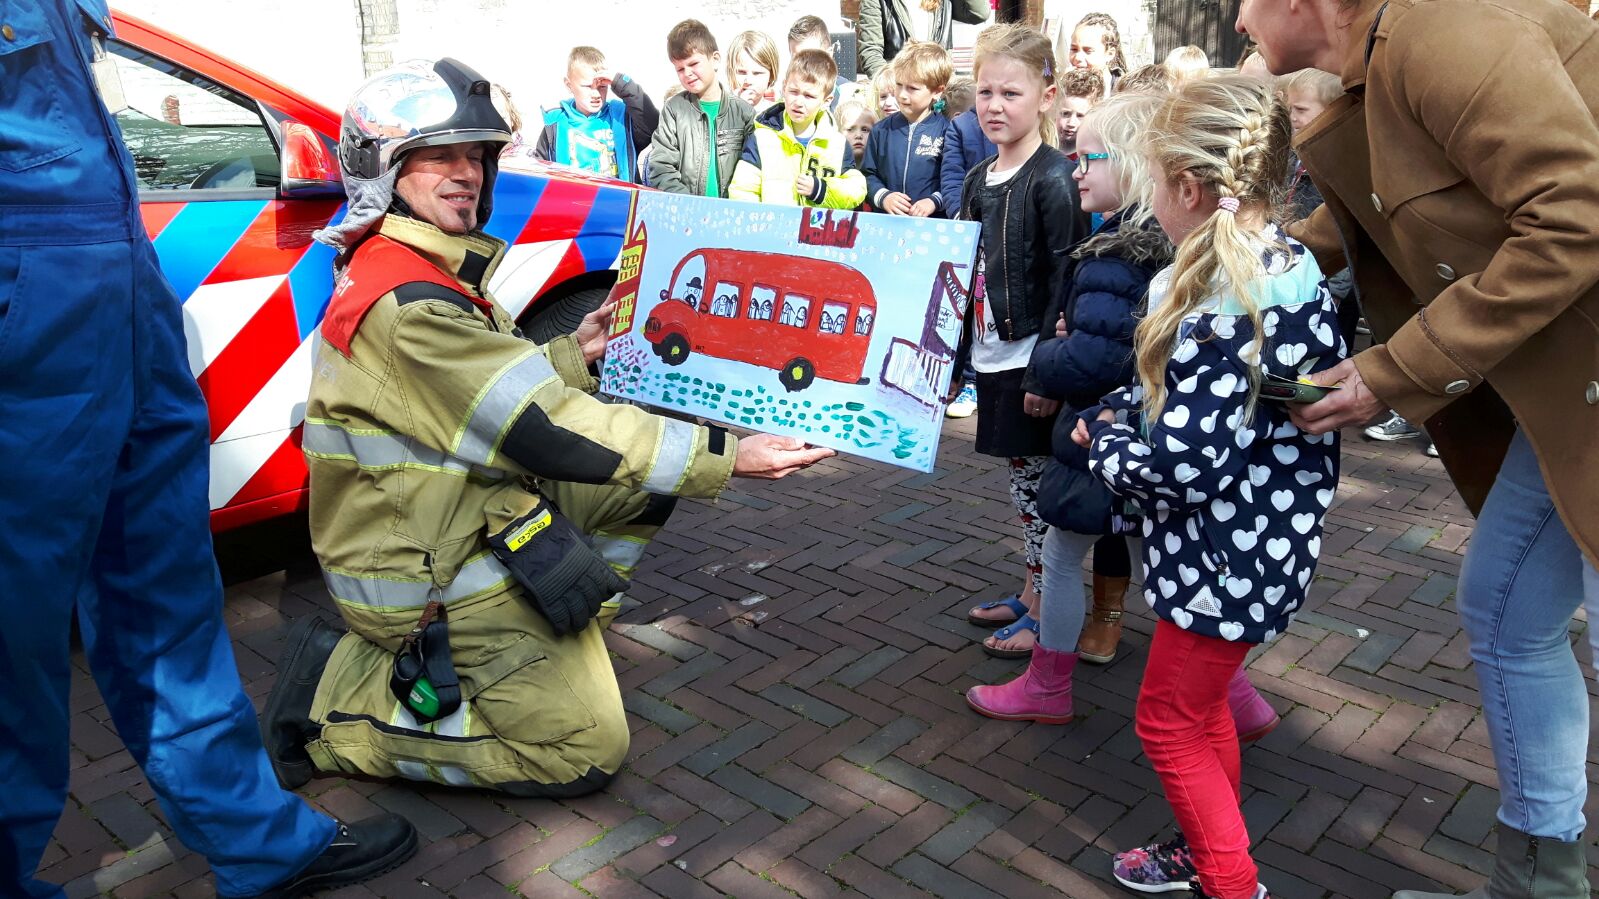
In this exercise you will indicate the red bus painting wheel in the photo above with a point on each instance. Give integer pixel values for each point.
(672, 349)
(797, 374)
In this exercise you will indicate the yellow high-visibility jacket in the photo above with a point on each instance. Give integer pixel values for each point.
(431, 422)
(774, 158)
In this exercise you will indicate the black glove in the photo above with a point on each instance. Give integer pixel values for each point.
(563, 576)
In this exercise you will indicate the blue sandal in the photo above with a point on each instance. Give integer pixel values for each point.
(1026, 622)
(1014, 603)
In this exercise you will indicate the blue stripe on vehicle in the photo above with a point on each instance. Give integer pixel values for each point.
(515, 195)
(199, 237)
(601, 238)
(311, 281)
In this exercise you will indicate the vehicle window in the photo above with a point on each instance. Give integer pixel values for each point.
(185, 132)
(762, 300)
(725, 301)
(795, 310)
(835, 318)
(863, 320)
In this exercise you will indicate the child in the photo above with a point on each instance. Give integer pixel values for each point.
(1097, 46)
(1306, 93)
(1079, 91)
(1154, 78)
(795, 156)
(857, 121)
(959, 96)
(752, 67)
(702, 128)
(810, 33)
(885, 88)
(1026, 200)
(1187, 63)
(591, 132)
(1233, 493)
(904, 150)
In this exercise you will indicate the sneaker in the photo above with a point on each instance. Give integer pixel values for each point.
(1395, 428)
(1432, 449)
(964, 405)
(359, 851)
(1161, 868)
(1199, 891)
(1362, 328)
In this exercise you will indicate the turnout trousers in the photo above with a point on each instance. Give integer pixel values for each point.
(103, 511)
(541, 715)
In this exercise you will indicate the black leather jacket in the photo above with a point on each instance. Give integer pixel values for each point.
(1029, 224)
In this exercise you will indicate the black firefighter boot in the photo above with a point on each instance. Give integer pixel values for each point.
(286, 724)
(359, 851)
(1527, 867)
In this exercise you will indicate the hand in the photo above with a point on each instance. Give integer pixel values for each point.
(1353, 404)
(1039, 406)
(1060, 326)
(955, 385)
(1080, 434)
(1107, 415)
(897, 203)
(769, 458)
(924, 208)
(604, 77)
(804, 184)
(595, 330)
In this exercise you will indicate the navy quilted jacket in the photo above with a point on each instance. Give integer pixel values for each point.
(1233, 504)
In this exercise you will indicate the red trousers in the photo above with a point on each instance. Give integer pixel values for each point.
(1189, 737)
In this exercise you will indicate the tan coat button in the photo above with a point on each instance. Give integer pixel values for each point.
(1376, 202)
(8, 32)
(1593, 393)
(1457, 387)
(1446, 272)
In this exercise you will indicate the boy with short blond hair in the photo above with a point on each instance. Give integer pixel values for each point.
(702, 129)
(592, 131)
(1077, 92)
(905, 150)
(795, 155)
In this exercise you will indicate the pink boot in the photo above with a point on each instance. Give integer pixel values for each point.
(1043, 693)
(1252, 715)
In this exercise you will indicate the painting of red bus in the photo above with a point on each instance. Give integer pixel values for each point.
(803, 318)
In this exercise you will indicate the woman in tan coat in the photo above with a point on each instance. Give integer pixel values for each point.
(1461, 173)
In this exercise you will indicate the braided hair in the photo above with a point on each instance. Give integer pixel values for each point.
(1231, 135)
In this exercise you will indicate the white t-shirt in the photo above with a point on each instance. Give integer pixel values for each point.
(990, 353)
(921, 23)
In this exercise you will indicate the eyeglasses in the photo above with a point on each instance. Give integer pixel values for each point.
(1083, 159)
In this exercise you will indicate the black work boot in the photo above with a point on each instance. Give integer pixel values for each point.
(359, 851)
(286, 724)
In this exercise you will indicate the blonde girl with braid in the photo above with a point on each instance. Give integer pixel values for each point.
(1025, 197)
(1232, 492)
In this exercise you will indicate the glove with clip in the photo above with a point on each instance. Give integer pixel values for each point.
(564, 577)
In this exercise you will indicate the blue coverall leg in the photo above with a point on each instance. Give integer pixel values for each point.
(104, 447)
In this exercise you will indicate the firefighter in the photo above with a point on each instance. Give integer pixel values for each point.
(475, 510)
(103, 502)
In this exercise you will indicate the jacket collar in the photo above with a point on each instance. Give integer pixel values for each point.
(1353, 75)
(776, 119)
(469, 258)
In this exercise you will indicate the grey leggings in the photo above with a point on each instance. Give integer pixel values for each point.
(1061, 610)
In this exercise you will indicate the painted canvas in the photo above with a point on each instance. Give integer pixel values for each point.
(836, 327)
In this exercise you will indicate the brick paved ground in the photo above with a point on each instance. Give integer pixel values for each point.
(794, 676)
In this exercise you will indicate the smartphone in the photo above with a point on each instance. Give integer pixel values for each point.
(1283, 390)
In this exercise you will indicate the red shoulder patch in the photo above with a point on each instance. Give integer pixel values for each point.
(378, 267)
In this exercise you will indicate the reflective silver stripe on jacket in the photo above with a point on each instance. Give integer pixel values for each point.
(381, 450)
(671, 458)
(497, 406)
(621, 553)
(477, 576)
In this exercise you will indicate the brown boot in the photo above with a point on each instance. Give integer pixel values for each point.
(1104, 628)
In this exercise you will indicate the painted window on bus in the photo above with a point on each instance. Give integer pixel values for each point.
(763, 300)
(835, 318)
(863, 320)
(724, 301)
(796, 310)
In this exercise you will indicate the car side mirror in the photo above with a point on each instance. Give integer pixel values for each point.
(309, 169)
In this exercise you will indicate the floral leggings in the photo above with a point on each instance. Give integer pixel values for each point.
(1025, 472)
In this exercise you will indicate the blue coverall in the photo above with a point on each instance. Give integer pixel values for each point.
(103, 490)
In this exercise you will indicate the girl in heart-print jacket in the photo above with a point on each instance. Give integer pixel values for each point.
(1234, 501)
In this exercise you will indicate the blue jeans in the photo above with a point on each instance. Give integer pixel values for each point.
(1521, 582)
